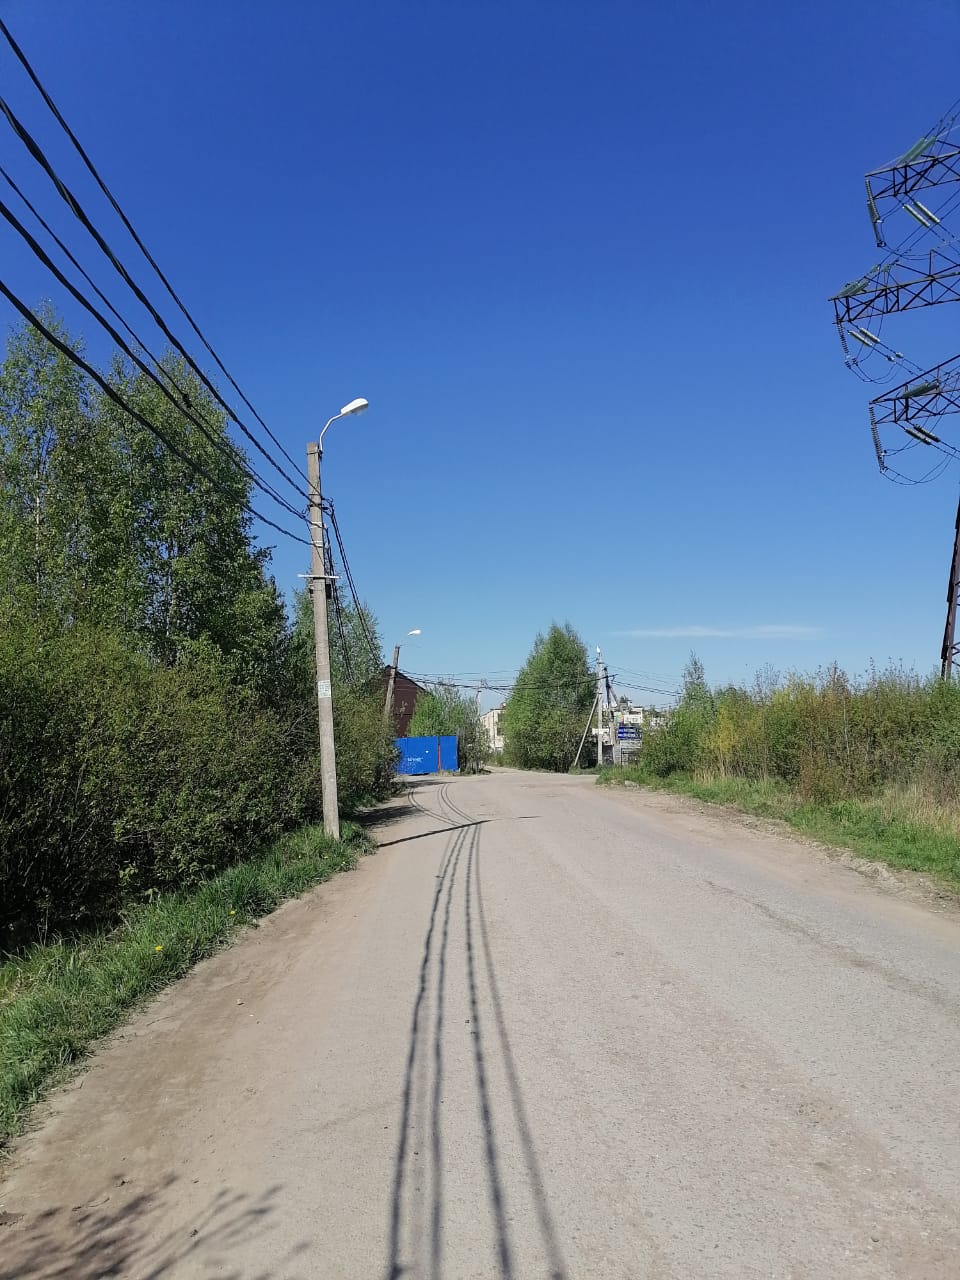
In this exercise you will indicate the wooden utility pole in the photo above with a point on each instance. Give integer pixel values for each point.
(321, 640)
(391, 681)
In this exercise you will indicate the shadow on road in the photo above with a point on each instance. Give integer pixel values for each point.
(447, 874)
(128, 1237)
(409, 1218)
(422, 835)
(385, 815)
(548, 1229)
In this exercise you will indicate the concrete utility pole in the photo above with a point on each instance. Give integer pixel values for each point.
(321, 640)
(599, 708)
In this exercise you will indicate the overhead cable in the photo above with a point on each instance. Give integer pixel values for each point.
(185, 402)
(64, 249)
(77, 209)
(224, 447)
(341, 632)
(21, 56)
(372, 645)
(110, 392)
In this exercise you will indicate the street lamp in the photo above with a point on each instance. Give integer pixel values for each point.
(321, 639)
(388, 700)
(355, 406)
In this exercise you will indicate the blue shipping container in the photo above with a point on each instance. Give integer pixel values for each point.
(427, 755)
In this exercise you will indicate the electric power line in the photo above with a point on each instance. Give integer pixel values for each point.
(21, 56)
(657, 676)
(78, 211)
(341, 632)
(223, 447)
(539, 684)
(74, 356)
(372, 645)
(185, 402)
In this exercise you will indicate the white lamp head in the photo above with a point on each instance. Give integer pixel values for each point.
(355, 406)
(414, 632)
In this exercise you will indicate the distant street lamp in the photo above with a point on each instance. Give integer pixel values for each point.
(388, 700)
(321, 639)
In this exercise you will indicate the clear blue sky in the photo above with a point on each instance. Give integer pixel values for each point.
(577, 257)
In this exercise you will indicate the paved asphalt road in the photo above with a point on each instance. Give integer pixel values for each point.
(548, 1031)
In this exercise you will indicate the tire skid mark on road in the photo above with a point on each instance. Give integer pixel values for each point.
(416, 1236)
(448, 869)
(494, 1177)
(534, 1174)
(436, 1138)
(458, 819)
(445, 802)
(428, 813)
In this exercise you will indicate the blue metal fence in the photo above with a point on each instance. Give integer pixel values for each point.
(428, 755)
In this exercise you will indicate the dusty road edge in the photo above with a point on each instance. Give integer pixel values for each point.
(69, 1075)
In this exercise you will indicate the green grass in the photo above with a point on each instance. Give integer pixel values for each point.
(56, 999)
(900, 827)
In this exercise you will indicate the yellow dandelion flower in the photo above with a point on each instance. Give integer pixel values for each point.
(233, 913)
(158, 948)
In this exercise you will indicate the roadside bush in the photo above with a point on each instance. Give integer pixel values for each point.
(120, 777)
(676, 748)
(157, 703)
(829, 737)
(683, 744)
(366, 749)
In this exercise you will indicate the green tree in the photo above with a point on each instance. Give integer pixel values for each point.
(680, 746)
(47, 452)
(176, 562)
(365, 746)
(157, 709)
(694, 679)
(546, 713)
(444, 710)
(100, 522)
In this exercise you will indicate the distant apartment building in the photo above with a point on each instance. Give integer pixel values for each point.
(641, 717)
(491, 722)
(624, 731)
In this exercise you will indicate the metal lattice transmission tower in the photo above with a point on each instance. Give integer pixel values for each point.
(932, 161)
(913, 275)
